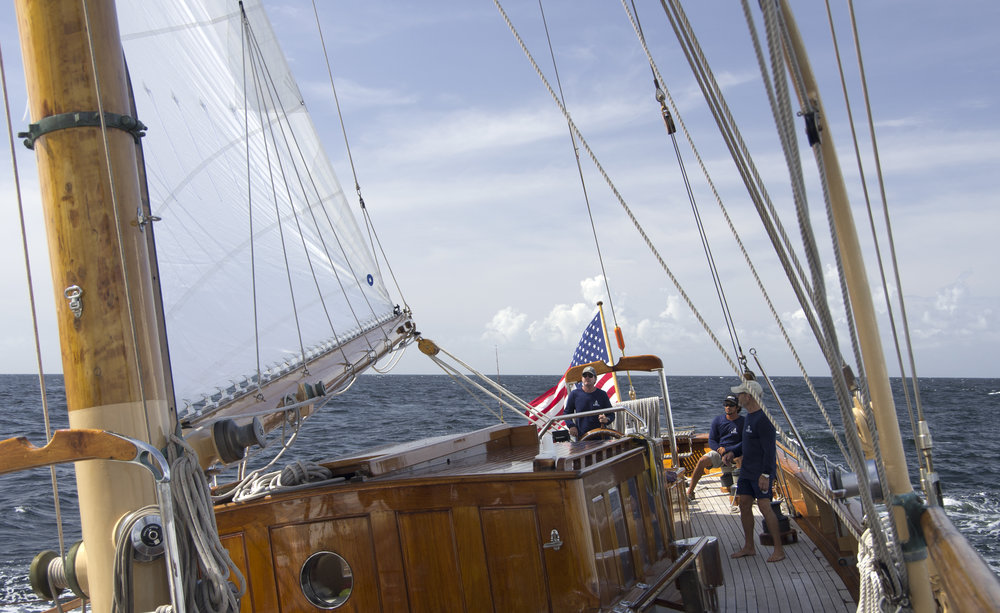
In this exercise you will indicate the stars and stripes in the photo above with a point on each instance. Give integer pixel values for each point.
(592, 347)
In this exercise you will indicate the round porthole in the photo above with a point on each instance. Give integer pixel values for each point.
(326, 580)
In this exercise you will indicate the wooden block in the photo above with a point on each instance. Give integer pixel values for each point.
(787, 538)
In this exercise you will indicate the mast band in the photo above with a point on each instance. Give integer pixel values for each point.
(914, 549)
(81, 119)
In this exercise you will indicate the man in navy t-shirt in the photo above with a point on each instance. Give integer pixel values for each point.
(587, 398)
(725, 434)
(757, 471)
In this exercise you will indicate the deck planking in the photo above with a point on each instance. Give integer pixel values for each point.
(801, 582)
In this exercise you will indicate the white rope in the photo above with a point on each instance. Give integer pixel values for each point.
(617, 195)
(291, 477)
(196, 517)
(871, 591)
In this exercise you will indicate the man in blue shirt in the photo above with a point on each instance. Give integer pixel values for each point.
(725, 434)
(757, 471)
(587, 398)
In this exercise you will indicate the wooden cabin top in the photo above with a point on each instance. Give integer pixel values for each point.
(499, 449)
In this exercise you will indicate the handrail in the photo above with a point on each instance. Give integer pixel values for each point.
(641, 363)
(74, 445)
(648, 595)
(549, 419)
(967, 579)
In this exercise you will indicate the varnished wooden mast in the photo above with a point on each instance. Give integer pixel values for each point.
(862, 306)
(111, 354)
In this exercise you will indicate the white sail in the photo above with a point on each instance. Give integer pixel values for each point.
(261, 259)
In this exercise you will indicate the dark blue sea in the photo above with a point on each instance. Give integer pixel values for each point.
(962, 413)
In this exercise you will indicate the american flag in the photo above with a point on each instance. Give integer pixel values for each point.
(592, 347)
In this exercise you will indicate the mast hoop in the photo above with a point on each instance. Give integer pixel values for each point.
(82, 119)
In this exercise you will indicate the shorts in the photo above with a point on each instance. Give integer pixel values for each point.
(717, 461)
(748, 487)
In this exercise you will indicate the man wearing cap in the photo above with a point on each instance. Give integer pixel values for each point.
(587, 398)
(757, 471)
(725, 434)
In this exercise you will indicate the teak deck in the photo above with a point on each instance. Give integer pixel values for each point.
(803, 581)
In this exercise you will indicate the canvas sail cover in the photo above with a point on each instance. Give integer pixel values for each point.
(262, 263)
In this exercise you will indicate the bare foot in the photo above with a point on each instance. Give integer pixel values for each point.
(777, 556)
(742, 553)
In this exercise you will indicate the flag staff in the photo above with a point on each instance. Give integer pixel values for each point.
(621, 346)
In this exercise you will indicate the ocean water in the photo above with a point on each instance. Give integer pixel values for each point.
(379, 409)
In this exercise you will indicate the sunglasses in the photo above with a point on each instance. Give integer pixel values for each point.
(729, 404)
(588, 375)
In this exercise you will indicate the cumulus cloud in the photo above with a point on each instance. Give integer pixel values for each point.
(506, 324)
(562, 325)
(593, 290)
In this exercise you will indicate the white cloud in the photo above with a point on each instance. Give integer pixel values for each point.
(505, 325)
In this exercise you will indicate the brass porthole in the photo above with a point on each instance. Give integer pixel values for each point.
(326, 580)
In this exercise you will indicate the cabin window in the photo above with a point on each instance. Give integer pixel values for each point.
(623, 550)
(654, 516)
(326, 580)
(635, 505)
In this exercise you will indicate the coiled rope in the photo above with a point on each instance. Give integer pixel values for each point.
(200, 543)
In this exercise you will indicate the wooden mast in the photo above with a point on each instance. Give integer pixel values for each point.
(111, 354)
(890, 441)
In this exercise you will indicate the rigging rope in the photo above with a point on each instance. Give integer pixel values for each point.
(925, 463)
(707, 78)
(579, 169)
(369, 223)
(32, 305)
(196, 517)
(779, 39)
(261, 73)
(712, 94)
(614, 189)
(661, 98)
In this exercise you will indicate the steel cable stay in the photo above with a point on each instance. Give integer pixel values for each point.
(293, 149)
(369, 223)
(829, 349)
(924, 459)
(841, 512)
(660, 96)
(736, 368)
(707, 78)
(590, 213)
(56, 501)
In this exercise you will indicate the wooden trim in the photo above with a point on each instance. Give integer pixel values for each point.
(65, 446)
(968, 581)
(818, 520)
(641, 363)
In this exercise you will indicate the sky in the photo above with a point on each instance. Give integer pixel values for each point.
(467, 169)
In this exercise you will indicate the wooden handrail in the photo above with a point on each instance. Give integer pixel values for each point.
(967, 579)
(644, 599)
(66, 446)
(641, 363)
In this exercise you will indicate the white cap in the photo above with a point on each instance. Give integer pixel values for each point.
(750, 387)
